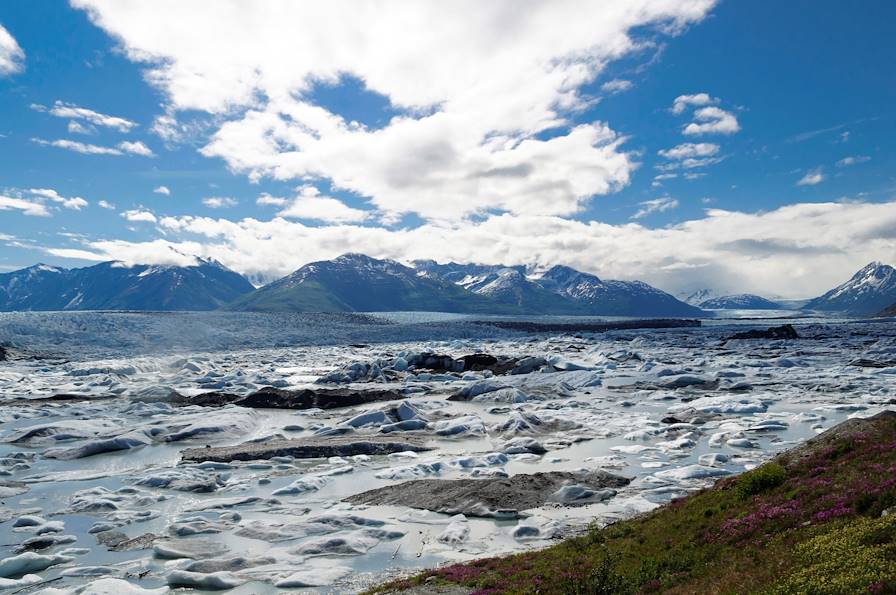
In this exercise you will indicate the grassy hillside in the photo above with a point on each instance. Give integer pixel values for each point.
(810, 521)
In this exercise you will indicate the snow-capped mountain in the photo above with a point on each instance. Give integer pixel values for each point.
(695, 298)
(510, 286)
(868, 292)
(206, 285)
(740, 301)
(613, 298)
(37, 287)
(561, 290)
(359, 283)
(462, 274)
(507, 285)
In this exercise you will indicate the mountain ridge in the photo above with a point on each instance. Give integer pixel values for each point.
(739, 301)
(870, 290)
(485, 289)
(112, 285)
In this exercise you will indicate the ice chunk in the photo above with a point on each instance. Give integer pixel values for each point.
(457, 531)
(319, 577)
(692, 472)
(28, 563)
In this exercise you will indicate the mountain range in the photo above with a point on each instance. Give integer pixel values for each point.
(359, 283)
(206, 285)
(356, 282)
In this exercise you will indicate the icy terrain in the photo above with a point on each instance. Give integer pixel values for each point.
(95, 496)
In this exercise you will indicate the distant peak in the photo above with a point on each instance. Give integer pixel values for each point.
(874, 264)
(200, 260)
(563, 271)
(353, 257)
(356, 258)
(44, 267)
(873, 268)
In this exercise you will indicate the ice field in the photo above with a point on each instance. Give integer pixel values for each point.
(96, 493)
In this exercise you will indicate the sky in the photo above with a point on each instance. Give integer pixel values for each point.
(736, 146)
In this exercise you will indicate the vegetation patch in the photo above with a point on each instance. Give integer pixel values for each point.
(812, 521)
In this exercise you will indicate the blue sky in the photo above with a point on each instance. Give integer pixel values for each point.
(270, 139)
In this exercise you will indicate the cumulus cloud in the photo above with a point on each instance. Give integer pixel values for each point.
(690, 156)
(136, 148)
(266, 200)
(688, 150)
(136, 215)
(124, 147)
(853, 160)
(162, 190)
(472, 85)
(219, 202)
(61, 109)
(106, 205)
(75, 127)
(816, 176)
(309, 204)
(682, 102)
(712, 120)
(74, 202)
(657, 205)
(12, 58)
(797, 250)
(33, 208)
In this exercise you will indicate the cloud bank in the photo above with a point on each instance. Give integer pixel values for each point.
(795, 251)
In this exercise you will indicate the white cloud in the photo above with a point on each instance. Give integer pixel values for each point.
(136, 215)
(28, 207)
(61, 109)
(688, 150)
(712, 120)
(75, 202)
(682, 102)
(156, 252)
(136, 148)
(657, 205)
(309, 204)
(76, 128)
(162, 190)
(218, 202)
(616, 86)
(12, 58)
(804, 136)
(797, 250)
(853, 160)
(77, 147)
(816, 176)
(266, 200)
(475, 85)
(105, 204)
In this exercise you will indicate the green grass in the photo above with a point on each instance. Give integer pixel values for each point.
(808, 522)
